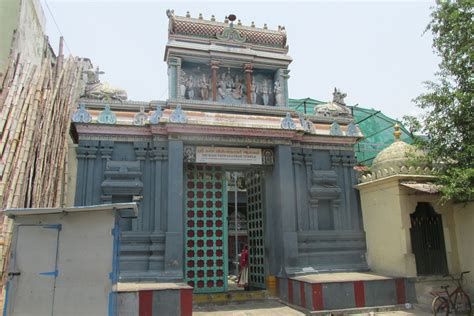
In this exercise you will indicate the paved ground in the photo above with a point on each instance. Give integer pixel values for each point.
(252, 308)
(274, 308)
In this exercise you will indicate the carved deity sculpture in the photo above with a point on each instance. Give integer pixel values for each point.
(190, 87)
(265, 92)
(278, 94)
(182, 84)
(253, 92)
(338, 97)
(97, 90)
(221, 87)
(237, 92)
(204, 87)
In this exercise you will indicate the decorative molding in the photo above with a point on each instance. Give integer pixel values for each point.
(122, 178)
(189, 154)
(231, 34)
(178, 115)
(156, 116)
(140, 118)
(324, 187)
(107, 116)
(81, 115)
(268, 157)
(352, 129)
(287, 122)
(335, 129)
(307, 125)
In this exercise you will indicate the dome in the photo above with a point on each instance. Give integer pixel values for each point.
(397, 154)
(396, 159)
(331, 109)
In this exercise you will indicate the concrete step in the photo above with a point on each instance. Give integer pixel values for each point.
(231, 296)
(342, 290)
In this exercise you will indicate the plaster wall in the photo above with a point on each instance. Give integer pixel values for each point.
(71, 173)
(387, 233)
(22, 27)
(409, 199)
(386, 208)
(84, 261)
(464, 223)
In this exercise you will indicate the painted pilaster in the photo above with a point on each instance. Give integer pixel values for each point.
(284, 208)
(174, 73)
(174, 233)
(143, 205)
(106, 150)
(312, 223)
(81, 155)
(214, 68)
(284, 73)
(248, 68)
(300, 189)
(90, 186)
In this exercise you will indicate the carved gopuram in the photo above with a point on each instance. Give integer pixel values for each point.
(226, 120)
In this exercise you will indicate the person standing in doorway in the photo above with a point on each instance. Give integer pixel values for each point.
(244, 269)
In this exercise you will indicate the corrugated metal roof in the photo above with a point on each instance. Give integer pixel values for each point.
(428, 187)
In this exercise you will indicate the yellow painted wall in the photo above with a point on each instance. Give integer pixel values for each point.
(386, 234)
(464, 221)
(386, 209)
(410, 200)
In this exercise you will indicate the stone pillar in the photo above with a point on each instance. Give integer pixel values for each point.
(248, 68)
(284, 212)
(174, 234)
(106, 150)
(140, 224)
(174, 69)
(284, 73)
(214, 68)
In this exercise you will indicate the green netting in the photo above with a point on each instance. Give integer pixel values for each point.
(376, 127)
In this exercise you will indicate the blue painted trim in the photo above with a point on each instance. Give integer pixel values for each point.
(53, 226)
(5, 306)
(113, 276)
(51, 273)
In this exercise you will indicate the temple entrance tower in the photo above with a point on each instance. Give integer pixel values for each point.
(226, 63)
(226, 113)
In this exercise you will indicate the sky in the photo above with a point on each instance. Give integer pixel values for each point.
(375, 51)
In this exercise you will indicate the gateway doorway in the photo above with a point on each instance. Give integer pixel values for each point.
(427, 240)
(211, 228)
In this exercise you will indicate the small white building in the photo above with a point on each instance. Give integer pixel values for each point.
(64, 261)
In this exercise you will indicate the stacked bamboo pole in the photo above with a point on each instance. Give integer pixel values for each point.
(35, 110)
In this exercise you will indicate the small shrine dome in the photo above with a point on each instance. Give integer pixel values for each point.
(398, 158)
(331, 109)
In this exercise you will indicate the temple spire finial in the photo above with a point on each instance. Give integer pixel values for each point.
(397, 132)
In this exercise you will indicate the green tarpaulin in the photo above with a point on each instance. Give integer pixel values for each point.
(376, 127)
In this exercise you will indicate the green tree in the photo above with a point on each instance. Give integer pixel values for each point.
(449, 119)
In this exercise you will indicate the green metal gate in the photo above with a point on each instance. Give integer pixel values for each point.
(255, 222)
(206, 229)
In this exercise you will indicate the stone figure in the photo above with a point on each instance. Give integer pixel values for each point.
(190, 87)
(278, 94)
(265, 92)
(338, 97)
(253, 92)
(237, 91)
(221, 88)
(204, 87)
(182, 84)
(95, 89)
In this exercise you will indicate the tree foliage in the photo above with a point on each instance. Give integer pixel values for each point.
(449, 119)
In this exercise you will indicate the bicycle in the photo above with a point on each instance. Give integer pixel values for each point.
(443, 302)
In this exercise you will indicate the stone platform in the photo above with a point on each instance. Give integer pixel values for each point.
(171, 299)
(345, 290)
